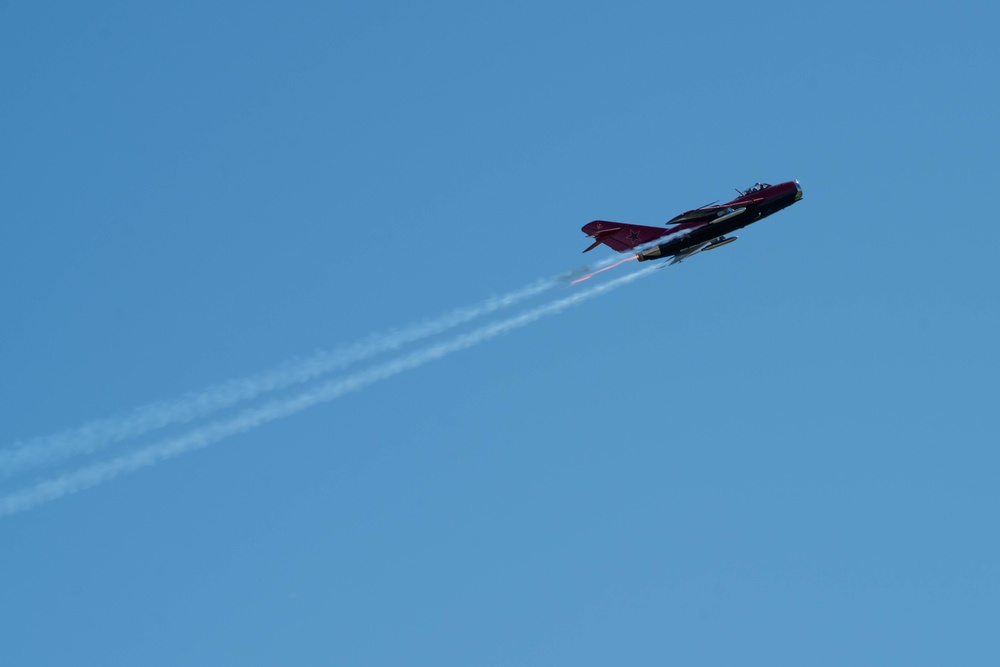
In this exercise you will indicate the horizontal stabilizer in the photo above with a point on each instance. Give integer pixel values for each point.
(598, 234)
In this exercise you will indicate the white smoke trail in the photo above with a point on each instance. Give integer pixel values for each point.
(89, 476)
(98, 434)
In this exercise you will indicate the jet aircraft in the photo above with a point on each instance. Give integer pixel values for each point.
(700, 229)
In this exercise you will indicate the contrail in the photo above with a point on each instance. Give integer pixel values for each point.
(98, 434)
(89, 476)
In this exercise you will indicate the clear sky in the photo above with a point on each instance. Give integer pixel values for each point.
(784, 452)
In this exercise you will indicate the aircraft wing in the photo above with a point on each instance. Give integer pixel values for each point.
(697, 215)
(693, 250)
(710, 213)
(702, 247)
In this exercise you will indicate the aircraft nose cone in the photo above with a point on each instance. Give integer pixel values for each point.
(798, 191)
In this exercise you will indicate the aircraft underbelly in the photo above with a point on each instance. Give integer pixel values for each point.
(709, 232)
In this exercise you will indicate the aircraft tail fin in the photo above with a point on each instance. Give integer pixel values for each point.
(620, 236)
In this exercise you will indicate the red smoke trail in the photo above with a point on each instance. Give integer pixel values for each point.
(594, 273)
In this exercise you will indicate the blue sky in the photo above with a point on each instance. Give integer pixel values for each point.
(783, 452)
